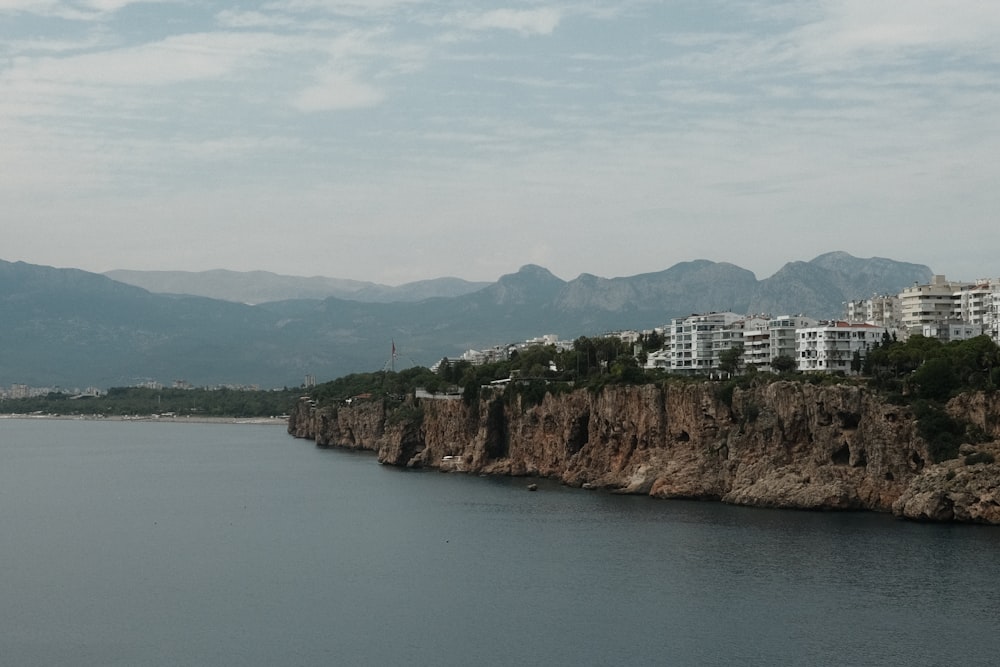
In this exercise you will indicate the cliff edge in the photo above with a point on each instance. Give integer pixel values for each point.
(784, 444)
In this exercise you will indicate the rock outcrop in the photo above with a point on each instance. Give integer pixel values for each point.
(783, 444)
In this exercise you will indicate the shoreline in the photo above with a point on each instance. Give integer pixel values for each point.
(256, 421)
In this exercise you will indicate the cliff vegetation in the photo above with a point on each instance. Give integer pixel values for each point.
(911, 437)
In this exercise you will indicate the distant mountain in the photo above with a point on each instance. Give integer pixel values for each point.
(821, 286)
(255, 287)
(72, 328)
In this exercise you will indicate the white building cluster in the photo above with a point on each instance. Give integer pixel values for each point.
(499, 353)
(941, 309)
(694, 344)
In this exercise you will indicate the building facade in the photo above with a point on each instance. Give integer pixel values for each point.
(928, 304)
(830, 347)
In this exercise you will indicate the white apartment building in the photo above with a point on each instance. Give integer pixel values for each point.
(734, 335)
(772, 338)
(881, 310)
(929, 304)
(783, 341)
(757, 347)
(979, 303)
(952, 330)
(829, 347)
(694, 344)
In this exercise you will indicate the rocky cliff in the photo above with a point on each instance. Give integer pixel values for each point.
(784, 444)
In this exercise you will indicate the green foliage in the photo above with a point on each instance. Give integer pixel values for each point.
(406, 413)
(935, 379)
(942, 433)
(729, 359)
(389, 384)
(783, 364)
(724, 392)
(932, 370)
(127, 401)
(470, 393)
(651, 342)
(531, 392)
(979, 457)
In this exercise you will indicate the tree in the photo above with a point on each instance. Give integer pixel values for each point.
(935, 379)
(783, 364)
(729, 360)
(652, 341)
(856, 362)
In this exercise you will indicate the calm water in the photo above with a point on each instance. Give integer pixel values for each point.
(183, 544)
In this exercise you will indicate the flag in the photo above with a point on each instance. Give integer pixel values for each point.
(393, 349)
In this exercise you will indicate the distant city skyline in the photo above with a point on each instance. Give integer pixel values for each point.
(392, 141)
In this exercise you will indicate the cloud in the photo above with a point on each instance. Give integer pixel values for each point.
(542, 21)
(29, 6)
(113, 77)
(337, 90)
(854, 34)
(172, 60)
(82, 10)
(231, 18)
(353, 8)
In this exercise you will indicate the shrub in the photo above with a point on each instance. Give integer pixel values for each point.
(942, 433)
(406, 413)
(979, 457)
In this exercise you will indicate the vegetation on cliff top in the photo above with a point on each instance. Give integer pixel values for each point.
(127, 401)
(920, 372)
(918, 369)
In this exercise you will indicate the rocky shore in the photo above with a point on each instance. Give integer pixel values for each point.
(784, 444)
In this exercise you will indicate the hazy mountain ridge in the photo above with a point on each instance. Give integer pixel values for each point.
(72, 328)
(254, 287)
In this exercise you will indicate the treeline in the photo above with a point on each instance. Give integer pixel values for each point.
(919, 368)
(591, 362)
(929, 369)
(126, 401)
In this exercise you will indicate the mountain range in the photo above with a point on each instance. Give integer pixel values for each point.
(71, 328)
(252, 287)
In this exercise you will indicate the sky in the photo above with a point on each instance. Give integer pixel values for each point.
(401, 140)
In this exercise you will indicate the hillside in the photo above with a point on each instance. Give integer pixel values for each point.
(254, 287)
(72, 328)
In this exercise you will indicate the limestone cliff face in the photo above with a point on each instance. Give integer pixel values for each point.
(785, 444)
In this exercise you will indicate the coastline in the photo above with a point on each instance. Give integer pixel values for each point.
(257, 421)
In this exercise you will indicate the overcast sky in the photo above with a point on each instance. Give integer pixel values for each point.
(397, 140)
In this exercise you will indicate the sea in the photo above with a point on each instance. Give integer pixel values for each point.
(140, 543)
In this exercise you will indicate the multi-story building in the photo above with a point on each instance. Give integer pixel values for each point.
(928, 304)
(979, 303)
(952, 330)
(881, 310)
(831, 346)
(783, 341)
(694, 345)
(757, 347)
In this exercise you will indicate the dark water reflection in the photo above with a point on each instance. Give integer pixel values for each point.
(166, 544)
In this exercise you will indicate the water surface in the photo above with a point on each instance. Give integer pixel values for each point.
(202, 544)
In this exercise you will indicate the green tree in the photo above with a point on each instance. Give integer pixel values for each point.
(935, 380)
(729, 360)
(783, 364)
(856, 362)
